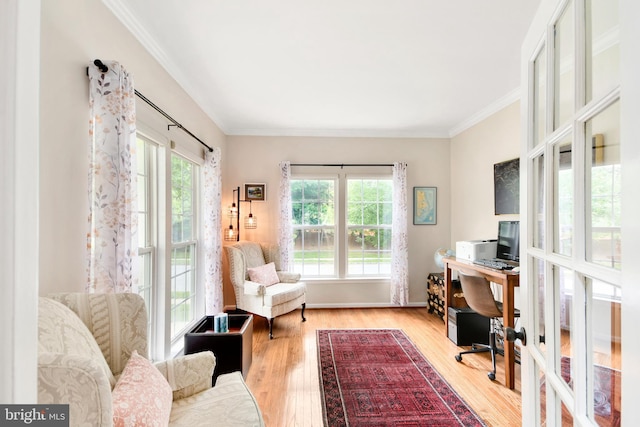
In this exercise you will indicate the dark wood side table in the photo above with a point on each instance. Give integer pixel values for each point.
(233, 349)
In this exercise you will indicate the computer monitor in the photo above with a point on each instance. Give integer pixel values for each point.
(508, 247)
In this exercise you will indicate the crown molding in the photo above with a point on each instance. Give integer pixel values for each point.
(486, 112)
(344, 133)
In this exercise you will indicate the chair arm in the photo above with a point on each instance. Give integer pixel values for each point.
(253, 288)
(286, 277)
(190, 374)
(79, 382)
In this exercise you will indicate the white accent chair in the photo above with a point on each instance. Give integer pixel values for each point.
(266, 301)
(84, 343)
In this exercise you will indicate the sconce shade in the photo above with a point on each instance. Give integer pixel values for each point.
(250, 221)
(230, 234)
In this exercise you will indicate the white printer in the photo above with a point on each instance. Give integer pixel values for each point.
(472, 250)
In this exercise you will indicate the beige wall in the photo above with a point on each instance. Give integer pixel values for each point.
(74, 33)
(473, 154)
(255, 160)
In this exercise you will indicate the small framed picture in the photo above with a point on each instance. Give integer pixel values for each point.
(424, 205)
(255, 192)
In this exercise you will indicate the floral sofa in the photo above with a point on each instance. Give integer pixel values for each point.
(92, 356)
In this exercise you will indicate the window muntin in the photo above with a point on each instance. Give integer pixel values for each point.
(183, 244)
(369, 208)
(313, 204)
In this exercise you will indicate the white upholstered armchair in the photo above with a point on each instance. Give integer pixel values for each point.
(92, 355)
(260, 286)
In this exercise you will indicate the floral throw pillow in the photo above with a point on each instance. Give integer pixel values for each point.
(142, 396)
(264, 274)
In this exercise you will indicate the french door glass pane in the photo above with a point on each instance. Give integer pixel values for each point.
(567, 418)
(540, 96)
(604, 182)
(542, 409)
(563, 186)
(537, 274)
(604, 374)
(603, 47)
(538, 201)
(563, 287)
(564, 68)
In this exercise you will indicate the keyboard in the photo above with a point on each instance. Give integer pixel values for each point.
(494, 263)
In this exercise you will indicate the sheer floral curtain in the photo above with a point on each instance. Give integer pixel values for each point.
(399, 240)
(212, 224)
(112, 241)
(284, 231)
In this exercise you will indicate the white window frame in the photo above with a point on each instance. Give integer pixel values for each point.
(154, 129)
(341, 229)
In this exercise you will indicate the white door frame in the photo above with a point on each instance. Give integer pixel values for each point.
(19, 130)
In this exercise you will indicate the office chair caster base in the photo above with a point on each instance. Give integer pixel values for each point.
(492, 376)
(458, 358)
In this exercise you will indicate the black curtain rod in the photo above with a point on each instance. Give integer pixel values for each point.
(102, 67)
(342, 165)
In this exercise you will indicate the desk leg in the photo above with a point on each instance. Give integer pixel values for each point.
(508, 321)
(447, 297)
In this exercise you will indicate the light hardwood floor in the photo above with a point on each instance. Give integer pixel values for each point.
(284, 372)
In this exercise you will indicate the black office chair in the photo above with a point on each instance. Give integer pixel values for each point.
(477, 292)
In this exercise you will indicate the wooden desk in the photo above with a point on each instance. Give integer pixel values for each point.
(508, 280)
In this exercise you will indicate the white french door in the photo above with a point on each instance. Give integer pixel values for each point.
(580, 275)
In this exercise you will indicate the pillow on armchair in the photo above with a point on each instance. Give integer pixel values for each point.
(264, 274)
(142, 397)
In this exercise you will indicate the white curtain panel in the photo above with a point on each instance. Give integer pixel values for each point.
(212, 224)
(399, 240)
(284, 230)
(112, 241)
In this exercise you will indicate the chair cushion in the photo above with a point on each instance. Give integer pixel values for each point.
(142, 396)
(283, 292)
(264, 274)
(228, 404)
(61, 331)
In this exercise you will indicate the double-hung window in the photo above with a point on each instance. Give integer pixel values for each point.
(168, 188)
(342, 226)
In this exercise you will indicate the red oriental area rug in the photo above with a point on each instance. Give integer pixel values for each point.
(377, 377)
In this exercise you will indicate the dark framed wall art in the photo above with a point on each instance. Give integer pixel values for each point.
(255, 192)
(506, 180)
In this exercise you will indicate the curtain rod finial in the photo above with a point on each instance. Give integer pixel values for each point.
(98, 63)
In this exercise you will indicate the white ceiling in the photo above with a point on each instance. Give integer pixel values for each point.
(410, 68)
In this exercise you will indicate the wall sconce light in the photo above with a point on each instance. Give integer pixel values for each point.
(250, 221)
